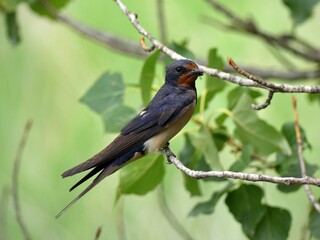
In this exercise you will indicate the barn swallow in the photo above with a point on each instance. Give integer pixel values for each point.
(167, 113)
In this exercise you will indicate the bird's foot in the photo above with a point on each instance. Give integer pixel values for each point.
(166, 151)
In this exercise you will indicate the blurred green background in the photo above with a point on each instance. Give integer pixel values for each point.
(43, 79)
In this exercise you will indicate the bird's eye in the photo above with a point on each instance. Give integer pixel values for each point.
(178, 69)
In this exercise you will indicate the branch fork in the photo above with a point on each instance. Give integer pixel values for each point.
(251, 81)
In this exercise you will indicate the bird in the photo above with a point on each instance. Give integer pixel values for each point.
(167, 113)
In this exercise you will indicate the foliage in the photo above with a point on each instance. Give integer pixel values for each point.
(105, 97)
(147, 76)
(254, 136)
(142, 176)
(314, 224)
(253, 142)
(300, 9)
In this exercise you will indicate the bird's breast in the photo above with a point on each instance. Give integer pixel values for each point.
(158, 141)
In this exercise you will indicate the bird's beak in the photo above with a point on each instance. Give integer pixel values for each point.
(197, 72)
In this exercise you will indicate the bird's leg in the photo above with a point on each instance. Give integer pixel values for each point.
(167, 152)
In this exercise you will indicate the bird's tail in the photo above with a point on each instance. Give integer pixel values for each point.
(105, 170)
(104, 173)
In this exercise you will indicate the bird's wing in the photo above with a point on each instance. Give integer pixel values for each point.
(137, 131)
(162, 111)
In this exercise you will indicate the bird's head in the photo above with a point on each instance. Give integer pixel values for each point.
(183, 73)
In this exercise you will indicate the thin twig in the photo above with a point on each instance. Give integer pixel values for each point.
(216, 23)
(145, 47)
(98, 233)
(170, 216)
(251, 76)
(132, 48)
(291, 75)
(232, 16)
(265, 104)
(283, 41)
(239, 175)
(107, 39)
(238, 148)
(307, 188)
(15, 182)
(211, 71)
(279, 56)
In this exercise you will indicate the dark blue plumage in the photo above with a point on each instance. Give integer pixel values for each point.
(169, 110)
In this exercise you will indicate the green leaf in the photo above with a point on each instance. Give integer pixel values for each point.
(220, 119)
(290, 167)
(300, 10)
(314, 98)
(192, 185)
(235, 94)
(314, 223)
(244, 160)
(142, 176)
(210, 150)
(245, 205)
(213, 85)
(106, 92)
(37, 7)
(12, 28)
(208, 207)
(251, 130)
(190, 156)
(220, 137)
(114, 119)
(288, 130)
(106, 98)
(275, 224)
(288, 164)
(203, 155)
(147, 76)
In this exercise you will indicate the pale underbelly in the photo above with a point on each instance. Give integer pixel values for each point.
(158, 141)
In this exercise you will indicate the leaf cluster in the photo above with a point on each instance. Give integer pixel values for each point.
(235, 130)
(253, 144)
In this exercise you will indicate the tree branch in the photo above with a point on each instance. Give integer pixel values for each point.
(132, 48)
(107, 39)
(265, 104)
(279, 74)
(308, 53)
(15, 183)
(238, 175)
(307, 188)
(215, 72)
